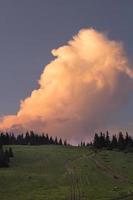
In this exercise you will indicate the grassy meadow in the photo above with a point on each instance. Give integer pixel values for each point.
(67, 173)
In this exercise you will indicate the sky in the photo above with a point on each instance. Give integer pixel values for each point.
(29, 30)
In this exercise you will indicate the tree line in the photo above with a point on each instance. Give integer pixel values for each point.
(29, 138)
(120, 141)
(5, 156)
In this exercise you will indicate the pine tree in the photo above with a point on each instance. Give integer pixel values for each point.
(60, 141)
(56, 141)
(65, 142)
(11, 153)
(4, 157)
(121, 142)
(107, 140)
(96, 141)
(114, 142)
(102, 141)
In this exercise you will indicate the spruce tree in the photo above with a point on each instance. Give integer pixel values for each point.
(11, 153)
(60, 142)
(121, 142)
(114, 142)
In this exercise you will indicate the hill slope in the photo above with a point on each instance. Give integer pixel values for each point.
(67, 173)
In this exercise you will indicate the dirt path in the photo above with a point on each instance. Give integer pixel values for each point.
(107, 169)
(110, 171)
(74, 180)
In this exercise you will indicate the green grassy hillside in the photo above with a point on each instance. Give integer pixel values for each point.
(60, 173)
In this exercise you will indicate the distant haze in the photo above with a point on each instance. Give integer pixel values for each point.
(86, 84)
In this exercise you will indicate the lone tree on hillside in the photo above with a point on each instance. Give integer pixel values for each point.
(5, 157)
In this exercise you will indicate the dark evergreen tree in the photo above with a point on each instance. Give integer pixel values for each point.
(107, 140)
(96, 142)
(51, 141)
(114, 142)
(102, 141)
(4, 157)
(56, 141)
(11, 153)
(60, 141)
(65, 142)
(121, 142)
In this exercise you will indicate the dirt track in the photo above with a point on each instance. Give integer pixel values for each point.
(76, 181)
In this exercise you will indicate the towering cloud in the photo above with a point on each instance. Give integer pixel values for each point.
(79, 91)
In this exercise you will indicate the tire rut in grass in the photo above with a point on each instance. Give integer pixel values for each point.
(75, 182)
(107, 169)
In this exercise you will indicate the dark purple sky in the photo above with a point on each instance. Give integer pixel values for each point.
(30, 29)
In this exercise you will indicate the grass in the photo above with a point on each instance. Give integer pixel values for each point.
(56, 173)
